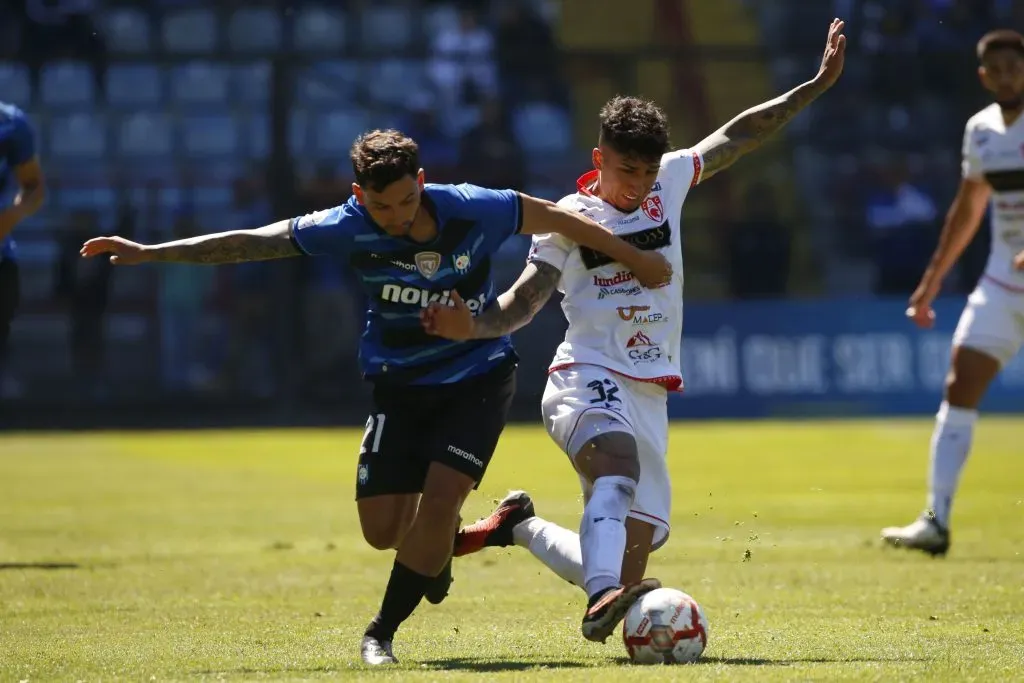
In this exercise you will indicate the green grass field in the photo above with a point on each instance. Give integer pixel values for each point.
(238, 555)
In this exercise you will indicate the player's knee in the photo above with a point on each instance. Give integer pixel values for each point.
(609, 455)
(440, 507)
(383, 536)
(384, 527)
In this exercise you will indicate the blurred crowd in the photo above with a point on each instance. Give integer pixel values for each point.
(157, 120)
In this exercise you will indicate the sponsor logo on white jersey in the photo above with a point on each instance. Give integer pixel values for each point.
(619, 278)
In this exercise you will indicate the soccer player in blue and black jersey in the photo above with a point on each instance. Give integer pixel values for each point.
(438, 406)
(18, 160)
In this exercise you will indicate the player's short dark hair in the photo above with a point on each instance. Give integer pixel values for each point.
(1003, 39)
(634, 127)
(380, 157)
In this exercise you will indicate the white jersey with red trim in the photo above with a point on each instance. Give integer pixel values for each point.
(994, 152)
(614, 322)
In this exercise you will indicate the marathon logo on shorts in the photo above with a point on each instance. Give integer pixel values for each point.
(651, 239)
(397, 294)
(466, 455)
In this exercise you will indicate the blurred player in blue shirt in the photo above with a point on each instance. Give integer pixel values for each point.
(18, 162)
(438, 406)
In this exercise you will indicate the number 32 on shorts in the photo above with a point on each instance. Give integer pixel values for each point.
(605, 391)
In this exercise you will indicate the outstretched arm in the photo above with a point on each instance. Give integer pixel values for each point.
(515, 308)
(747, 131)
(237, 246)
(520, 303)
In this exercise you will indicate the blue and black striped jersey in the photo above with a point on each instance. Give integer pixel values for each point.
(402, 277)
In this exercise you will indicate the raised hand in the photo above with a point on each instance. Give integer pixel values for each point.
(122, 252)
(835, 54)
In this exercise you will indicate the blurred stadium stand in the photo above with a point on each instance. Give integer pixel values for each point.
(166, 118)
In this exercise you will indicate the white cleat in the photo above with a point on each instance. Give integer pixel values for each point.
(924, 534)
(375, 652)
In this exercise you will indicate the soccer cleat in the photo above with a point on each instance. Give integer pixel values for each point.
(438, 588)
(376, 652)
(495, 530)
(924, 534)
(610, 607)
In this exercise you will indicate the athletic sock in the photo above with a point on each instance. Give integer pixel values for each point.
(404, 592)
(557, 547)
(603, 532)
(951, 444)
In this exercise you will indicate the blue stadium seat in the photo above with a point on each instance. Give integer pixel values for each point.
(206, 135)
(79, 136)
(145, 134)
(395, 81)
(319, 29)
(214, 196)
(542, 128)
(15, 84)
(192, 31)
(134, 85)
(329, 82)
(200, 83)
(91, 198)
(334, 131)
(437, 20)
(386, 27)
(67, 84)
(250, 83)
(254, 29)
(298, 133)
(256, 136)
(127, 30)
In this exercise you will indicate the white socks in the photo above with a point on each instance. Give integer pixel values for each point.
(951, 443)
(603, 532)
(557, 547)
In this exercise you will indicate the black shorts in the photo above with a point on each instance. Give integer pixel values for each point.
(9, 298)
(412, 426)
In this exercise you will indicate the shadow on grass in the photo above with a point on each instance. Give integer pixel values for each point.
(484, 665)
(758, 661)
(47, 566)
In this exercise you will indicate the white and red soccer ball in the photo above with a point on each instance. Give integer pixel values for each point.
(665, 626)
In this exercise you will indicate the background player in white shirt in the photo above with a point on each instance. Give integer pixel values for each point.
(991, 329)
(605, 402)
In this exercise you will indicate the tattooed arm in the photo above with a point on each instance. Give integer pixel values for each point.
(515, 308)
(269, 242)
(520, 303)
(747, 131)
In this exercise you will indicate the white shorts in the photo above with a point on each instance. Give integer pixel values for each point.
(583, 401)
(992, 322)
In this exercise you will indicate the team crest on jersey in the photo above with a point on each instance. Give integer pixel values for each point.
(363, 474)
(427, 262)
(652, 208)
(461, 263)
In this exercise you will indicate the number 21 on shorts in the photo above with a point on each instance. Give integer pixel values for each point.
(372, 435)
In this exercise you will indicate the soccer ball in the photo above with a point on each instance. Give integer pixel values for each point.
(665, 626)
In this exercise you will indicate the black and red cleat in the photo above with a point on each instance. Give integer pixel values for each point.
(495, 530)
(608, 608)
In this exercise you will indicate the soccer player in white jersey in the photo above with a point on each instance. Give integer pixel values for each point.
(991, 329)
(605, 401)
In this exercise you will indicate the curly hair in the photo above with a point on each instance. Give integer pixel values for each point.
(380, 157)
(1003, 39)
(634, 127)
